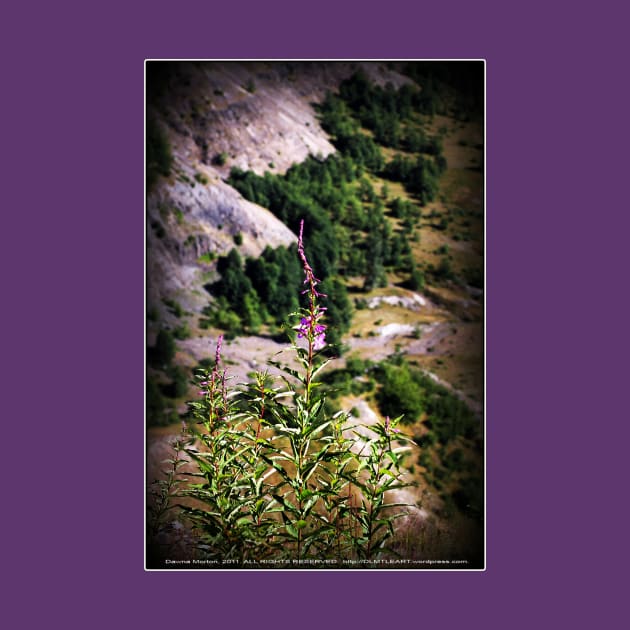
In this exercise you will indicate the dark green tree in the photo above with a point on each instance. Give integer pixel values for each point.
(164, 349)
(339, 310)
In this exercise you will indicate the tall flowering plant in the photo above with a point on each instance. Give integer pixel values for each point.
(275, 479)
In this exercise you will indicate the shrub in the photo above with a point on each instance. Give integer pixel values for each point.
(207, 258)
(356, 366)
(400, 395)
(182, 332)
(174, 307)
(444, 270)
(179, 383)
(416, 279)
(225, 319)
(155, 403)
(164, 350)
(159, 158)
(276, 478)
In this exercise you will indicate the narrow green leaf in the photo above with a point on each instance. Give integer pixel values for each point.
(291, 530)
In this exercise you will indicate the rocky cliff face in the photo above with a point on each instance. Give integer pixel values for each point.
(217, 115)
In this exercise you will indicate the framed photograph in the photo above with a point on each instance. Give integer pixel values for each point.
(315, 315)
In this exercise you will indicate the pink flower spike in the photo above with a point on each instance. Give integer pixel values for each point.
(319, 342)
(218, 352)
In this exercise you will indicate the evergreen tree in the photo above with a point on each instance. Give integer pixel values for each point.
(253, 312)
(234, 284)
(339, 310)
(164, 349)
(416, 279)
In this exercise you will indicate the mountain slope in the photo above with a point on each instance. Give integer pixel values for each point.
(256, 116)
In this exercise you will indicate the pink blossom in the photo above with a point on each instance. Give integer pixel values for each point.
(217, 355)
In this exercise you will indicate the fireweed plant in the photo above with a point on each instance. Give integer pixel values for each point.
(274, 478)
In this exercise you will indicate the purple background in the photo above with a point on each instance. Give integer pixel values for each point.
(72, 248)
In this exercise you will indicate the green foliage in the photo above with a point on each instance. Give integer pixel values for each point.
(407, 390)
(201, 178)
(420, 178)
(164, 350)
(220, 315)
(403, 209)
(444, 270)
(379, 109)
(182, 332)
(178, 385)
(173, 306)
(302, 194)
(233, 284)
(253, 312)
(353, 144)
(416, 279)
(207, 258)
(451, 436)
(343, 215)
(416, 141)
(159, 158)
(339, 311)
(186, 180)
(277, 278)
(356, 366)
(278, 481)
(269, 286)
(400, 394)
(378, 247)
(155, 403)
(345, 222)
(276, 478)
